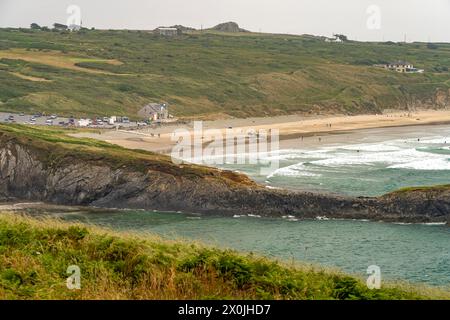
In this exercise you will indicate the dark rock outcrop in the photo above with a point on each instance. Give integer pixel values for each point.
(232, 27)
(29, 172)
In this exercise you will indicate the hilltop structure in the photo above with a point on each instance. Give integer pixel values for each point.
(334, 40)
(168, 31)
(60, 27)
(184, 29)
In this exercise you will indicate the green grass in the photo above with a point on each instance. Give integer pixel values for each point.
(436, 188)
(214, 74)
(35, 254)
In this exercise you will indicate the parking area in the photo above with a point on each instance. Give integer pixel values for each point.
(55, 120)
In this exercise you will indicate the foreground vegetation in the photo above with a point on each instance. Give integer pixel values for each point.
(210, 74)
(35, 255)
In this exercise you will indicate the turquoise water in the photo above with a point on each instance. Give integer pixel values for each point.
(364, 163)
(368, 162)
(417, 253)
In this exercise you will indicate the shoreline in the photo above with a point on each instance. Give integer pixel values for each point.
(128, 180)
(290, 128)
(51, 209)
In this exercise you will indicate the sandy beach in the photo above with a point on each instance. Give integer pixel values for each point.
(310, 130)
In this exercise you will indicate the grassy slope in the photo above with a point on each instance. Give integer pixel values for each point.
(421, 189)
(34, 256)
(210, 74)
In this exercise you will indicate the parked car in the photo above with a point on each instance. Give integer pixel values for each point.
(49, 122)
(125, 120)
(84, 123)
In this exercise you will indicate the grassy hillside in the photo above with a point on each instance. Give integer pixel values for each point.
(35, 254)
(209, 74)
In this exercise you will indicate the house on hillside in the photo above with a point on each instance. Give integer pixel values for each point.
(60, 27)
(74, 27)
(334, 40)
(401, 66)
(168, 32)
(155, 112)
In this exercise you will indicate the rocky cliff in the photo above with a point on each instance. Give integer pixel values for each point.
(68, 173)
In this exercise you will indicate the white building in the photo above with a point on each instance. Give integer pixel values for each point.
(402, 67)
(334, 40)
(74, 27)
(168, 32)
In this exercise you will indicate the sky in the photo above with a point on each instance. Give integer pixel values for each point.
(363, 20)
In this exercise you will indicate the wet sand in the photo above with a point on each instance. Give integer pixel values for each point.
(293, 130)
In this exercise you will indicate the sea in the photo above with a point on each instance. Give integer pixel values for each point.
(368, 162)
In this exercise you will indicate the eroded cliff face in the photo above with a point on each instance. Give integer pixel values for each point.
(439, 100)
(24, 176)
(420, 203)
(30, 173)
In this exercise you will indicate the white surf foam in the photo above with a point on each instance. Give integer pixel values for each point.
(406, 158)
(434, 223)
(427, 164)
(377, 147)
(295, 170)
